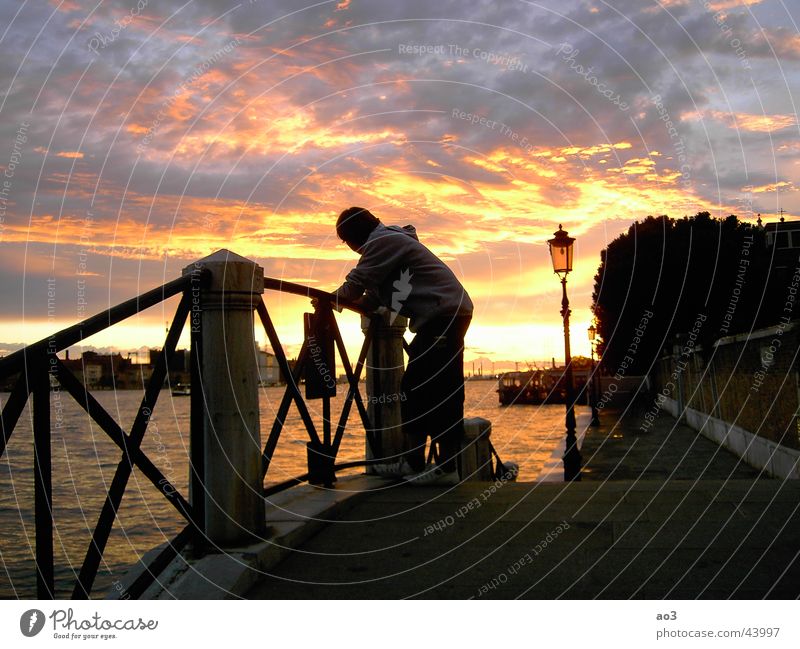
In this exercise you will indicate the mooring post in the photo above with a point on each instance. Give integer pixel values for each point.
(475, 459)
(231, 498)
(385, 368)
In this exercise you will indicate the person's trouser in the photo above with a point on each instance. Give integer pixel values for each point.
(433, 391)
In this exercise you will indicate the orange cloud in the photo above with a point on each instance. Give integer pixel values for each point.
(774, 187)
(744, 121)
(515, 203)
(587, 152)
(711, 5)
(66, 6)
(724, 5)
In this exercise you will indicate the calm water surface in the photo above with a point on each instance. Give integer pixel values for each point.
(84, 462)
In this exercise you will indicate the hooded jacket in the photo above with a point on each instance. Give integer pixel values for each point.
(406, 277)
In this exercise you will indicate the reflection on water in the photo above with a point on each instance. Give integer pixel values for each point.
(85, 460)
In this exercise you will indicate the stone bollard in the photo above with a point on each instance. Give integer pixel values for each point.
(385, 368)
(232, 500)
(476, 455)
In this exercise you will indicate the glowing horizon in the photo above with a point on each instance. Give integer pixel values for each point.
(130, 154)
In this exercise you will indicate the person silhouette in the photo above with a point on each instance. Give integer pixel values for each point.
(398, 272)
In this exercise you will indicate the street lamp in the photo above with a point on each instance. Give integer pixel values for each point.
(561, 255)
(592, 391)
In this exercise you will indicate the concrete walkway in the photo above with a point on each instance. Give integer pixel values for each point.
(661, 514)
(619, 450)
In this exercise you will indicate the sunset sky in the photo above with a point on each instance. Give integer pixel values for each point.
(136, 139)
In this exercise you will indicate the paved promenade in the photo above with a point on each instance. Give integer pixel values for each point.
(619, 450)
(661, 514)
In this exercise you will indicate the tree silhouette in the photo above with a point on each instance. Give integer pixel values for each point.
(699, 277)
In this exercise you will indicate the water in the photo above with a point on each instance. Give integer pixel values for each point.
(85, 460)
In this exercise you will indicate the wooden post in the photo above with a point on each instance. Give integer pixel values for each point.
(231, 500)
(196, 419)
(385, 368)
(476, 453)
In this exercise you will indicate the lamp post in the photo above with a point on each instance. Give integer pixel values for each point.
(561, 255)
(593, 391)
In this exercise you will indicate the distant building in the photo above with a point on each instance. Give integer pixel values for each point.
(93, 374)
(784, 238)
(113, 371)
(98, 371)
(268, 371)
(152, 355)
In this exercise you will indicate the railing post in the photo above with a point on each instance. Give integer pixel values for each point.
(232, 499)
(385, 368)
(43, 482)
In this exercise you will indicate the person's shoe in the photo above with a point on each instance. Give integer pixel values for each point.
(398, 469)
(433, 476)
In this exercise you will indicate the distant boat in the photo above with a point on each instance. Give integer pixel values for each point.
(532, 387)
(182, 390)
(536, 386)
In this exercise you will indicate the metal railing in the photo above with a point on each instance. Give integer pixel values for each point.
(322, 333)
(37, 365)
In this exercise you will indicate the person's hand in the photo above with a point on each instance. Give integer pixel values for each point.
(369, 302)
(315, 302)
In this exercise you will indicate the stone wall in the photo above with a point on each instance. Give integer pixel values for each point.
(744, 393)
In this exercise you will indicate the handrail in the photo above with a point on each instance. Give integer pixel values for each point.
(273, 284)
(75, 333)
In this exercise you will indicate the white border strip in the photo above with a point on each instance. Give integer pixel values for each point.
(774, 459)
